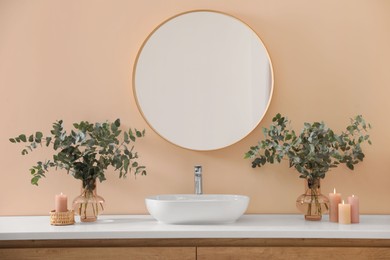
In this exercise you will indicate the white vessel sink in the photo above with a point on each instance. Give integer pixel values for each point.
(197, 209)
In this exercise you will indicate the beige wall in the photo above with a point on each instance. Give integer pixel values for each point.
(73, 60)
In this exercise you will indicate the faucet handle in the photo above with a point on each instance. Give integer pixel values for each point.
(198, 170)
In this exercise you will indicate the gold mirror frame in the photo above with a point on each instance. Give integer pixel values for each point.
(153, 98)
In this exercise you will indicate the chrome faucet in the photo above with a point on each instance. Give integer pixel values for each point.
(198, 179)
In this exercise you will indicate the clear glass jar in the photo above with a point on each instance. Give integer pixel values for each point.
(312, 203)
(88, 205)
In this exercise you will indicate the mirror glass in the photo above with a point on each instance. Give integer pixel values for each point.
(203, 80)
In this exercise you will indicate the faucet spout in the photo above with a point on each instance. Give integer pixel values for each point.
(198, 179)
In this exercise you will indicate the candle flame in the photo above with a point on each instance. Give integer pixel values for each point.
(353, 195)
(343, 202)
(334, 190)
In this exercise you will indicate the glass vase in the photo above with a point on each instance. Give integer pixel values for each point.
(88, 205)
(312, 203)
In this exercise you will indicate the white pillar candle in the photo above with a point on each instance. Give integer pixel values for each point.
(344, 213)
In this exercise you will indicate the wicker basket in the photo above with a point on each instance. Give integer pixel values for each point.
(61, 218)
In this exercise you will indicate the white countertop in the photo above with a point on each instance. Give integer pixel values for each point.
(144, 226)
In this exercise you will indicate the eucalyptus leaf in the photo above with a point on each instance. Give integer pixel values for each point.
(38, 135)
(126, 137)
(131, 135)
(23, 138)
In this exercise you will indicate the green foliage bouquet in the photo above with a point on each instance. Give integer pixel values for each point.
(86, 151)
(315, 150)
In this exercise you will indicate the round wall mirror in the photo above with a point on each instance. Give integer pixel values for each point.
(203, 80)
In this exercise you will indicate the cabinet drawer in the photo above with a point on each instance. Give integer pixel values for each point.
(115, 253)
(215, 253)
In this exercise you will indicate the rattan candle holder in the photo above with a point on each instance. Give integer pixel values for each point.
(61, 218)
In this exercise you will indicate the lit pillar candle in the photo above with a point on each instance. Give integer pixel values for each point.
(61, 203)
(334, 201)
(344, 213)
(354, 201)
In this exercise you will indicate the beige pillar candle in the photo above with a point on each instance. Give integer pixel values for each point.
(354, 201)
(61, 203)
(334, 201)
(344, 213)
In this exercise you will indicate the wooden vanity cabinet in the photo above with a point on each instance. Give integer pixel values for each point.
(201, 249)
